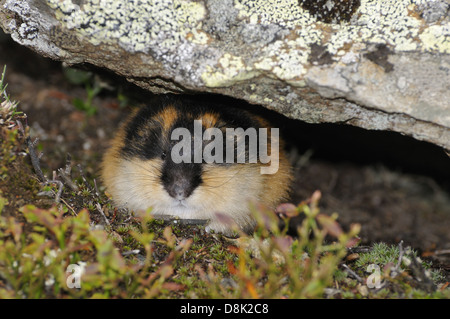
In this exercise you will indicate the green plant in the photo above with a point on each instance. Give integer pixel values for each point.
(8, 108)
(383, 255)
(35, 263)
(92, 85)
(272, 264)
(380, 254)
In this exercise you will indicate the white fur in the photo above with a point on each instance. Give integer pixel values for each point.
(137, 187)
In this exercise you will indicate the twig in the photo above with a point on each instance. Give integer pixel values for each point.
(65, 174)
(46, 193)
(395, 270)
(442, 252)
(68, 170)
(421, 275)
(97, 193)
(89, 187)
(99, 208)
(353, 274)
(50, 193)
(128, 219)
(60, 189)
(34, 157)
(414, 264)
(67, 205)
(359, 249)
(35, 161)
(67, 180)
(131, 252)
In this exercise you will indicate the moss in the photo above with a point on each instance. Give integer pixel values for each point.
(380, 254)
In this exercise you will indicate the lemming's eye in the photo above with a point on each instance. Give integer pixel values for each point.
(163, 155)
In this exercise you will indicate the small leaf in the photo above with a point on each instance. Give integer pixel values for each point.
(172, 286)
(330, 225)
(315, 198)
(352, 257)
(169, 236)
(287, 210)
(283, 243)
(79, 104)
(353, 242)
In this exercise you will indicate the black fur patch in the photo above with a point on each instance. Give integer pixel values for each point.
(146, 139)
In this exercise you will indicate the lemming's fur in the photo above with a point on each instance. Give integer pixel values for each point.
(139, 173)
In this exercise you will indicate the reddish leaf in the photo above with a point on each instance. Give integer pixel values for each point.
(330, 225)
(231, 268)
(234, 250)
(316, 197)
(352, 257)
(283, 243)
(287, 210)
(173, 286)
(353, 242)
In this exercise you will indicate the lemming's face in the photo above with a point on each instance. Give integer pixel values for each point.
(143, 170)
(224, 189)
(149, 176)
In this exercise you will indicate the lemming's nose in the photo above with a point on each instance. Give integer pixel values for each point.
(179, 189)
(180, 180)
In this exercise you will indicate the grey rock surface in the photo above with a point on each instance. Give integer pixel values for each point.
(385, 66)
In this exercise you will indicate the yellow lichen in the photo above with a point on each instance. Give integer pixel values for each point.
(232, 69)
(435, 38)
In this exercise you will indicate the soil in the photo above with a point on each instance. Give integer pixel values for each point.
(395, 187)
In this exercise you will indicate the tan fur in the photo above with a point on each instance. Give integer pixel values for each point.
(276, 186)
(167, 117)
(111, 162)
(208, 120)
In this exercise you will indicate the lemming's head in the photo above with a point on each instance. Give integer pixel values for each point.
(159, 161)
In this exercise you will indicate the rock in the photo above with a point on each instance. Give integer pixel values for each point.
(376, 64)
